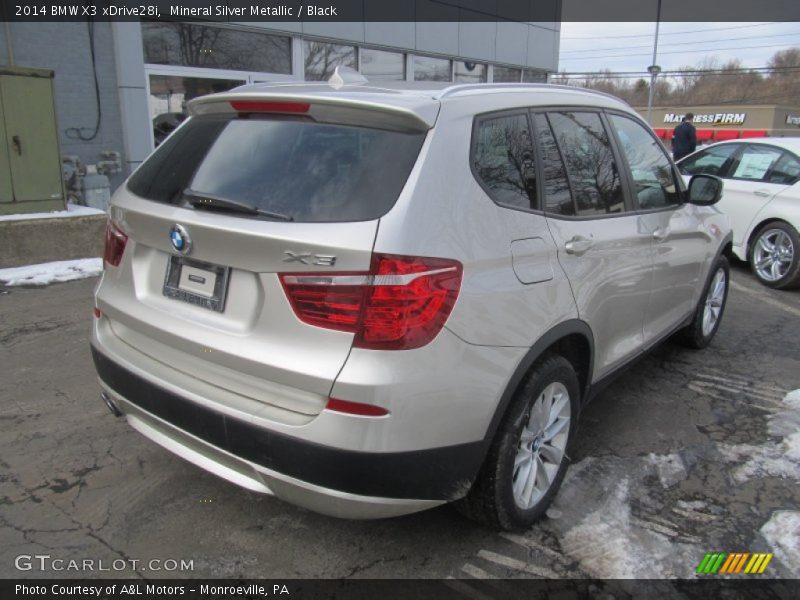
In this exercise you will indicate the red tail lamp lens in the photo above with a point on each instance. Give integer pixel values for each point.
(401, 303)
(115, 244)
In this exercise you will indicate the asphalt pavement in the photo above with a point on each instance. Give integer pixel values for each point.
(688, 452)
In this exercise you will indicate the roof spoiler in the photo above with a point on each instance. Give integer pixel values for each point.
(402, 114)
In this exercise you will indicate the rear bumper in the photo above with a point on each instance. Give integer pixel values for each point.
(335, 481)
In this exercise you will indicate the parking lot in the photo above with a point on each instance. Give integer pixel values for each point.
(687, 453)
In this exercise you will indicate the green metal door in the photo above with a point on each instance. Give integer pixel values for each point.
(31, 141)
(6, 191)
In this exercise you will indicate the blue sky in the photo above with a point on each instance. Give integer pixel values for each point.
(629, 46)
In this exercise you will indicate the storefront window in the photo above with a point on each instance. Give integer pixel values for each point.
(427, 68)
(470, 72)
(322, 58)
(379, 64)
(507, 74)
(190, 45)
(169, 95)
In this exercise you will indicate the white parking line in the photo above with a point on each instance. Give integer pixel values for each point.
(477, 572)
(517, 565)
(532, 545)
(766, 299)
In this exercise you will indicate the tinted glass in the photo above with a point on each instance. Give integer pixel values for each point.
(557, 196)
(503, 160)
(169, 95)
(593, 174)
(322, 58)
(469, 72)
(381, 65)
(507, 75)
(755, 162)
(427, 68)
(190, 45)
(786, 171)
(306, 170)
(651, 170)
(712, 161)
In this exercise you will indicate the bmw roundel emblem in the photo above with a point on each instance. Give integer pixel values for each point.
(179, 238)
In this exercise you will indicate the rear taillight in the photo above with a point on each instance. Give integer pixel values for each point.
(115, 244)
(401, 303)
(355, 408)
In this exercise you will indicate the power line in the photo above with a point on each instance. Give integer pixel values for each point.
(679, 72)
(707, 51)
(749, 37)
(604, 37)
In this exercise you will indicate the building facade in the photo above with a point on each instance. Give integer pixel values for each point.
(727, 122)
(123, 86)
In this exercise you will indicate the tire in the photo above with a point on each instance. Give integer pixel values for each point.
(708, 314)
(775, 256)
(497, 498)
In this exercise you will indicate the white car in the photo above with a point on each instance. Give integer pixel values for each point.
(762, 199)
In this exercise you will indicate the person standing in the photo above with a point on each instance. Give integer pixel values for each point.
(684, 138)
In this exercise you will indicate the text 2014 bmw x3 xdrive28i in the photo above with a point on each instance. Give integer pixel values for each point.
(370, 300)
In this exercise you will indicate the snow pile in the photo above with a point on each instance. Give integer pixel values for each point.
(73, 210)
(45, 273)
(782, 532)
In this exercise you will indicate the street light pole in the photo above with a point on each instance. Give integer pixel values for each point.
(653, 69)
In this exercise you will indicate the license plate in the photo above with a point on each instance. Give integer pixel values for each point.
(198, 283)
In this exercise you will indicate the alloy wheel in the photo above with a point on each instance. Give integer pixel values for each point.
(714, 301)
(773, 255)
(542, 445)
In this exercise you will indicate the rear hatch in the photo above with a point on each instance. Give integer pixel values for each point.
(250, 189)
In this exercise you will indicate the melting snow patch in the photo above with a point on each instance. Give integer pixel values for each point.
(782, 532)
(611, 544)
(670, 468)
(773, 459)
(45, 273)
(73, 210)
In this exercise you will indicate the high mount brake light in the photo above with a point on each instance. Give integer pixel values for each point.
(248, 106)
(114, 245)
(401, 303)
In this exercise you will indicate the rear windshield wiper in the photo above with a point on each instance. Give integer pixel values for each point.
(203, 200)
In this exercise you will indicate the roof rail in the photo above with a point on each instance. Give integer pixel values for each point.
(464, 87)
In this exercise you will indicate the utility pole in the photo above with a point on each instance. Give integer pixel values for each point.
(654, 69)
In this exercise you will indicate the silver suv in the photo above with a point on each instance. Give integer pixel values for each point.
(369, 300)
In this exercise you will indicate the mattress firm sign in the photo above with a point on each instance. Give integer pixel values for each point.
(793, 120)
(709, 118)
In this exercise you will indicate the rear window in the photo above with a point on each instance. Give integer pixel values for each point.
(312, 172)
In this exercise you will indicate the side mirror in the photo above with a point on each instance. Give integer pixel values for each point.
(704, 190)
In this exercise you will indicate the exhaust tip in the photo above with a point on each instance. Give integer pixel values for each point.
(110, 404)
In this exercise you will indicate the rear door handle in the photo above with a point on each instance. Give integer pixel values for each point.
(660, 235)
(762, 193)
(578, 245)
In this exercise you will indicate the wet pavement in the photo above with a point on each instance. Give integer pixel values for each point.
(688, 452)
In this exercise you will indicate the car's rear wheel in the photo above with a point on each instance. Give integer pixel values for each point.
(775, 256)
(708, 314)
(529, 454)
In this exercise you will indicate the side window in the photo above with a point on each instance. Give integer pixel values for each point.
(504, 162)
(786, 171)
(755, 162)
(593, 174)
(557, 196)
(651, 170)
(713, 161)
